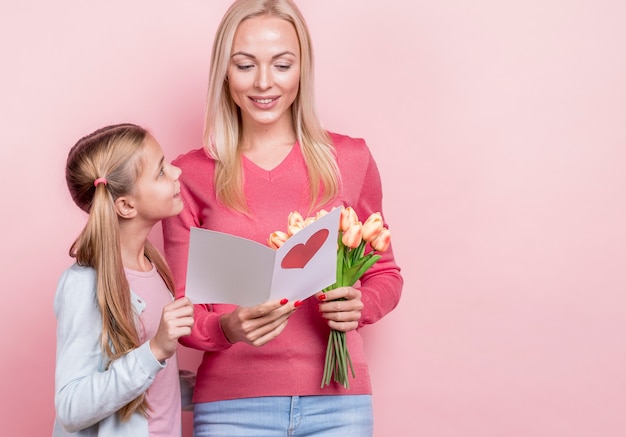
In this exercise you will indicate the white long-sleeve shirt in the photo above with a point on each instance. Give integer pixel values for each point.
(87, 394)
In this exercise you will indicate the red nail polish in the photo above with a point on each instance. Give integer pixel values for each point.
(297, 303)
(283, 301)
(321, 296)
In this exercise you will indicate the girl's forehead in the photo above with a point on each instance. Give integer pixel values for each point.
(151, 150)
(150, 144)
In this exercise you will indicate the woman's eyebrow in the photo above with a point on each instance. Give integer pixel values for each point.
(250, 55)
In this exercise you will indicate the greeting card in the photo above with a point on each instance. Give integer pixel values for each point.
(224, 268)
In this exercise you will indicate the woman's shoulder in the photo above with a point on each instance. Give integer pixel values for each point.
(197, 167)
(350, 149)
(345, 141)
(193, 158)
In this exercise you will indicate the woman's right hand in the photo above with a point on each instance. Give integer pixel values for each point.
(259, 324)
(176, 322)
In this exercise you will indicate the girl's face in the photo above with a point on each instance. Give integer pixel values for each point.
(264, 70)
(157, 190)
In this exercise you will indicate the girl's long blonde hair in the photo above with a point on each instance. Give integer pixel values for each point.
(223, 130)
(111, 153)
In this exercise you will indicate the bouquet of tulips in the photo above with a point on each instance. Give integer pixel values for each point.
(352, 263)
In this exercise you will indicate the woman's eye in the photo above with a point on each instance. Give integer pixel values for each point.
(242, 67)
(162, 171)
(283, 67)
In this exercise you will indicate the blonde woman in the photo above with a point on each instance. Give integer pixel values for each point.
(266, 154)
(117, 323)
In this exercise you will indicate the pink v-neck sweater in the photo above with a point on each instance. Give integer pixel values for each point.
(292, 363)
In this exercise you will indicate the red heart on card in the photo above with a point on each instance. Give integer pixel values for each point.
(301, 254)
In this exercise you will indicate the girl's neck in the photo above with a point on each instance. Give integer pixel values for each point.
(132, 244)
(137, 264)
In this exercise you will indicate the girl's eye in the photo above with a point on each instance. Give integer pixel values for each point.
(244, 67)
(162, 171)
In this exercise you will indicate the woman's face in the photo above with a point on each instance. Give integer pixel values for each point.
(264, 70)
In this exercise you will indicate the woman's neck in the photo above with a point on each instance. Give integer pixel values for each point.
(267, 146)
(259, 137)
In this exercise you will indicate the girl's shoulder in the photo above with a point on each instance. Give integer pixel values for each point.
(79, 273)
(76, 287)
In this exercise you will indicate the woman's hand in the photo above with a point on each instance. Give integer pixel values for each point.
(259, 324)
(342, 315)
(176, 322)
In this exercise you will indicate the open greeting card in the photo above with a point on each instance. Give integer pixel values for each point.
(223, 268)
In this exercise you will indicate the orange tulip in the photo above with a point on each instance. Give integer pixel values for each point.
(372, 226)
(348, 217)
(321, 213)
(295, 222)
(277, 239)
(352, 237)
(382, 241)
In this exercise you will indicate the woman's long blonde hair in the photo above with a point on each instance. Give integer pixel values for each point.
(223, 130)
(111, 153)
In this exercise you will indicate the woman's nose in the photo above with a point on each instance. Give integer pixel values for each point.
(263, 78)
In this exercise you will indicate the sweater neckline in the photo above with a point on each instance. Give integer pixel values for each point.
(281, 167)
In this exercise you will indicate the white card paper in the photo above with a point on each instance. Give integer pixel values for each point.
(223, 268)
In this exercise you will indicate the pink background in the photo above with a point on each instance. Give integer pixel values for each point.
(499, 129)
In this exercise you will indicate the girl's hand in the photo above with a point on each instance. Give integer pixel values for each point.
(342, 315)
(259, 324)
(176, 322)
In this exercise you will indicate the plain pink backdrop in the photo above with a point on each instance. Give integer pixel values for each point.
(500, 133)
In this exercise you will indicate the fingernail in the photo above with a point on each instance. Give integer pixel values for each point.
(297, 303)
(321, 296)
(283, 301)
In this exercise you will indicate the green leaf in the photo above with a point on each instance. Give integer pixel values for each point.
(351, 275)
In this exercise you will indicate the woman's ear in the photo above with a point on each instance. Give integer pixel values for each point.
(125, 207)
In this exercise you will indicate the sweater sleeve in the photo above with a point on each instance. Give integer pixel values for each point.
(206, 333)
(381, 285)
(85, 390)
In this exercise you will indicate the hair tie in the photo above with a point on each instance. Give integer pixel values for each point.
(100, 180)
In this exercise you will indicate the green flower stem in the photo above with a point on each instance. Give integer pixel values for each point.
(351, 265)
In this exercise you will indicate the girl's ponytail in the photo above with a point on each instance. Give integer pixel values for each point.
(100, 168)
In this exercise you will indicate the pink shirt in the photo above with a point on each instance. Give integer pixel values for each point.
(163, 395)
(292, 363)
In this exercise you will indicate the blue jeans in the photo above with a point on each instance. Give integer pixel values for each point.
(281, 416)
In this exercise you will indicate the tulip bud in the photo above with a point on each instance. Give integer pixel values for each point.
(277, 239)
(372, 226)
(348, 217)
(382, 241)
(321, 213)
(294, 218)
(295, 222)
(294, 229)
(352, 237)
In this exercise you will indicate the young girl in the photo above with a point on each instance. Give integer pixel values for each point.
(118, 325)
